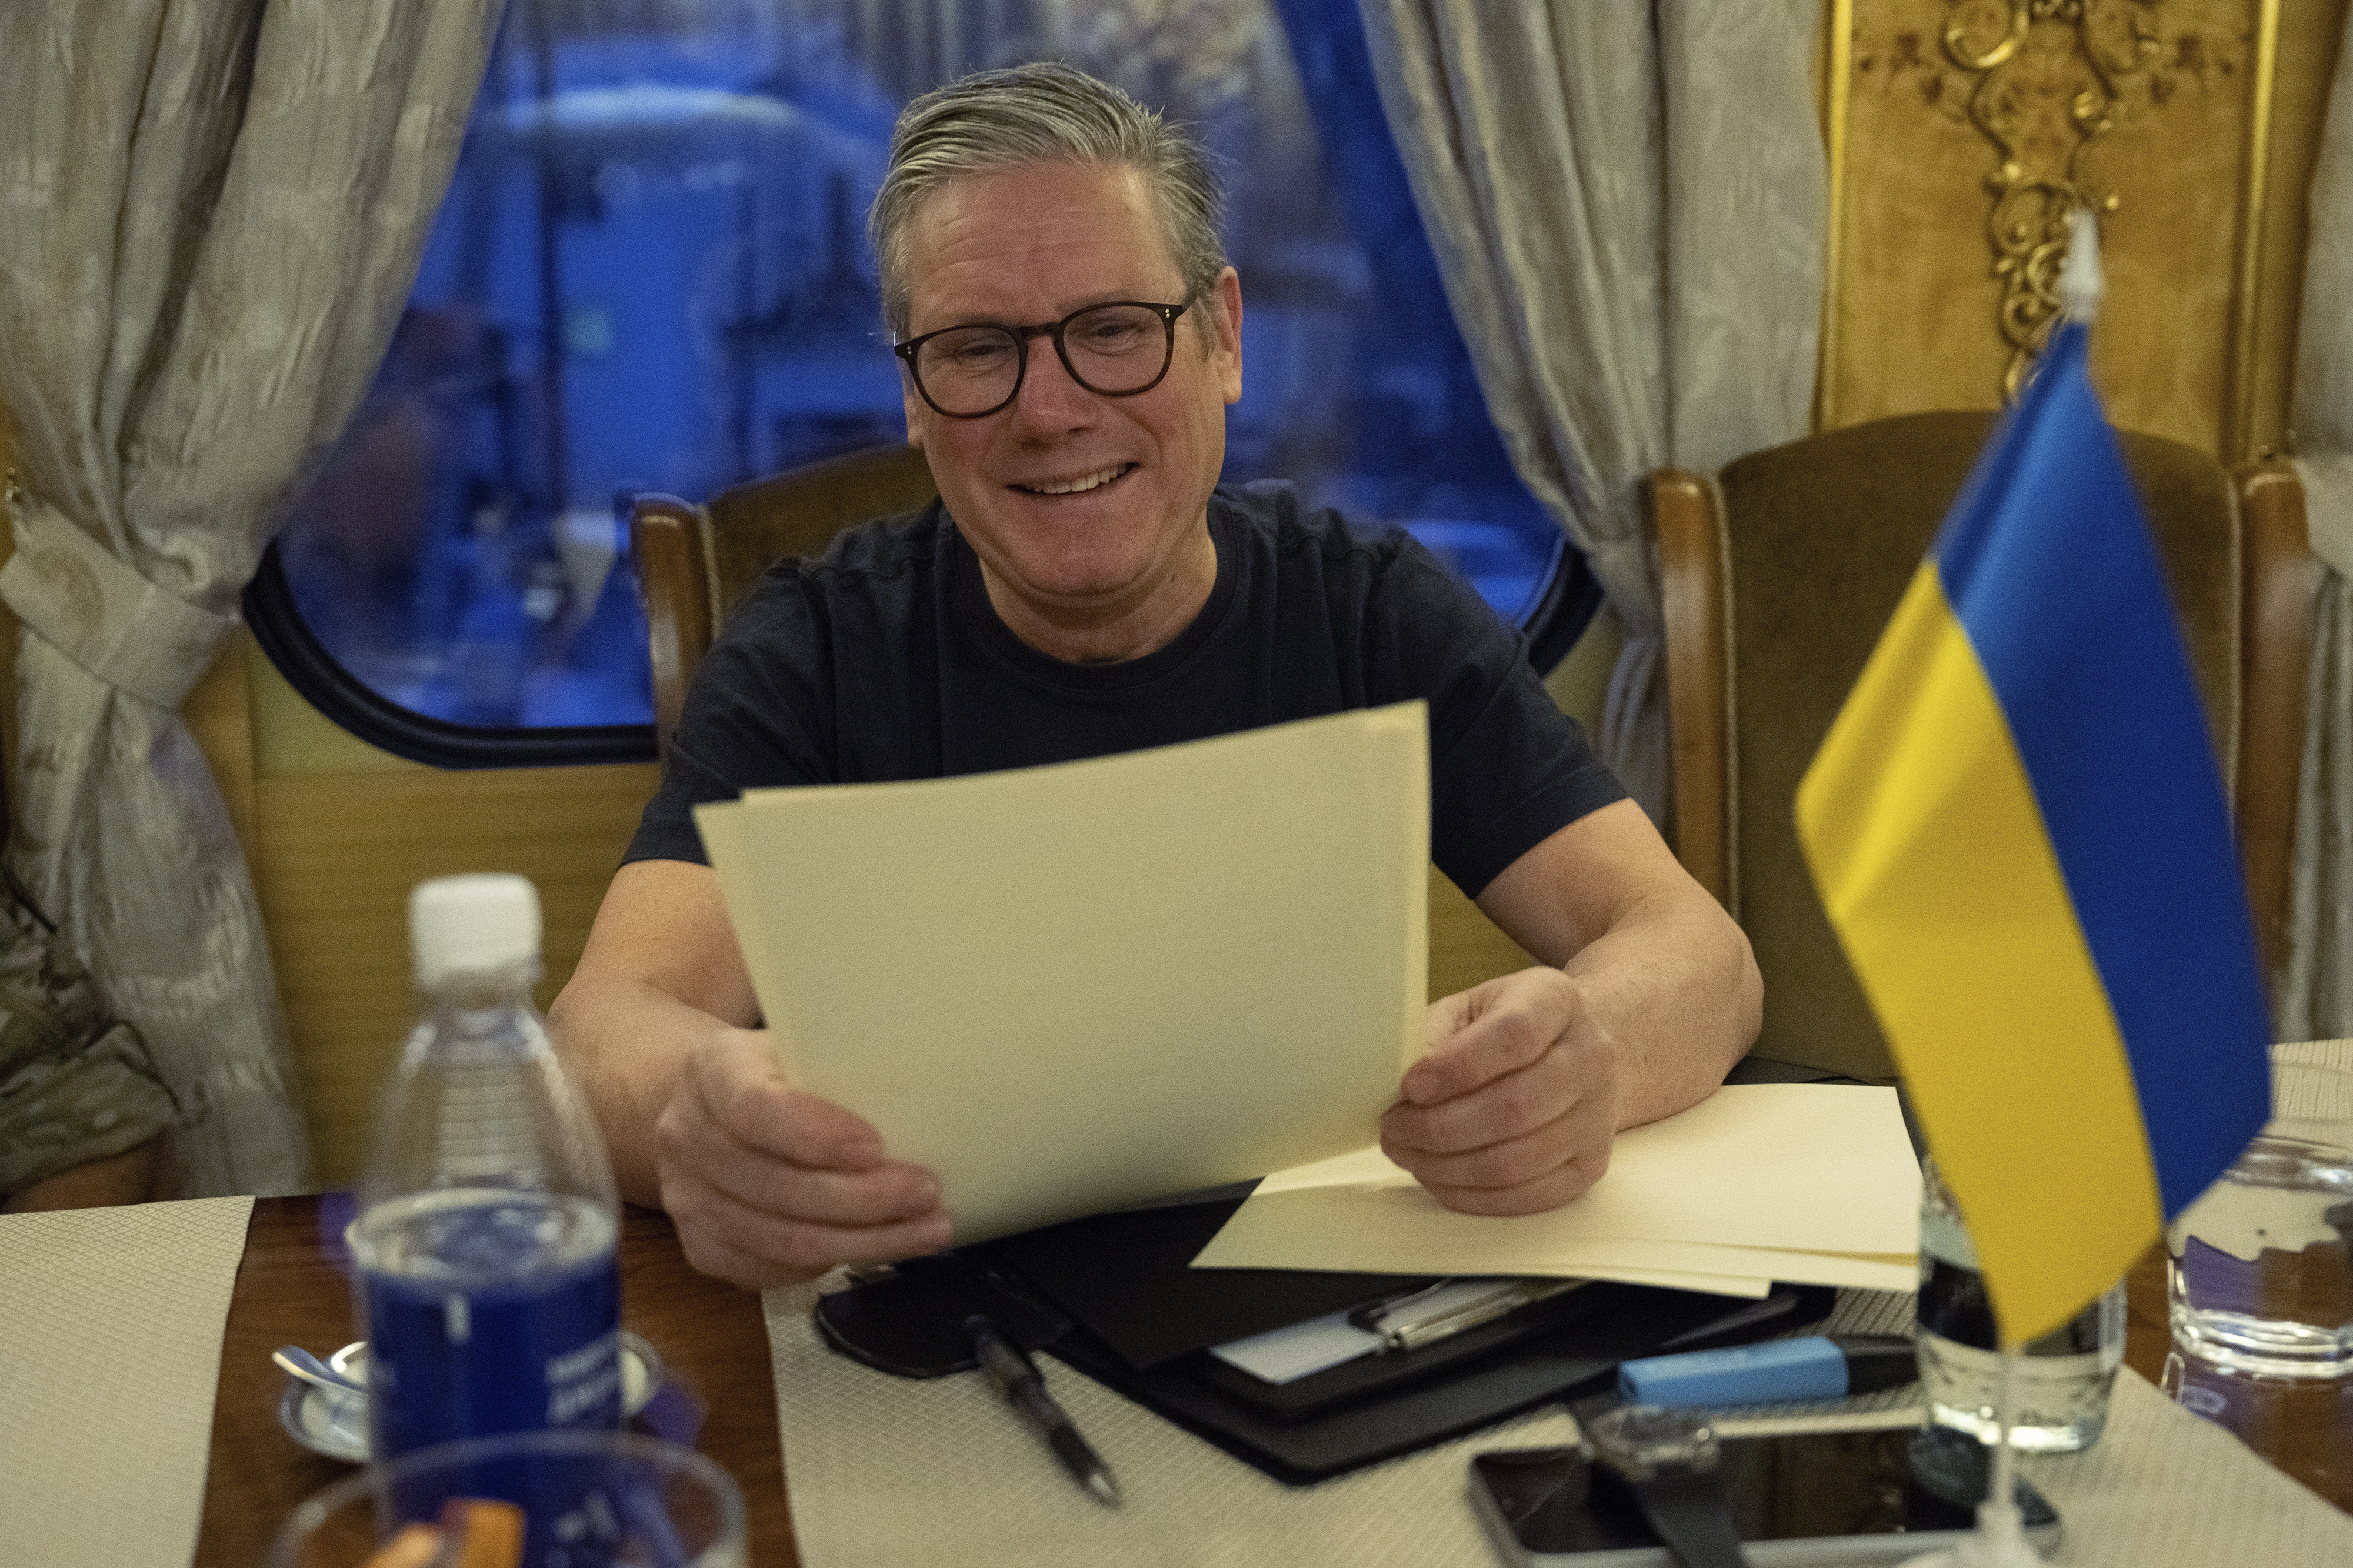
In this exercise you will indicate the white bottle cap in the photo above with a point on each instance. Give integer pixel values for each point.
(488, 920)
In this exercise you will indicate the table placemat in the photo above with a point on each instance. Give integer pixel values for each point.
(885, 1471)
(2163, 1486)
(111, 1323)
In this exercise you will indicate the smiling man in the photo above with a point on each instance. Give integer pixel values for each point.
(1070, 336)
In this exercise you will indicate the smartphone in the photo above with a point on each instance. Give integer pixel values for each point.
(1876, 1496)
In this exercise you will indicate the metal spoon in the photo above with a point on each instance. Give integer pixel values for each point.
(295, 1362)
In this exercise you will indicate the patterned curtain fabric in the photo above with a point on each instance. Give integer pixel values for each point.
(211, 212)
(2314, 999)
(1628, 203)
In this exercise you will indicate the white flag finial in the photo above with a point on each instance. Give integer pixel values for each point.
(2079, 278)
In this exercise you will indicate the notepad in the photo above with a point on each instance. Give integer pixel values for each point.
(1067, 988)
(1810, 1184)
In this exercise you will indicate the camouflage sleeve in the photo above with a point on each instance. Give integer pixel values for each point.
(76, 1085)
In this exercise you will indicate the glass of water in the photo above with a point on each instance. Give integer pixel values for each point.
(2060, 1385)
(566, 1499)
(2260, 1279)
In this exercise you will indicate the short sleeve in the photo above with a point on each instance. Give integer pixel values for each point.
(1508, 768)
(751, 722)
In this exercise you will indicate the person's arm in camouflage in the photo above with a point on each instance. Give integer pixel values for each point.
(82, 1111)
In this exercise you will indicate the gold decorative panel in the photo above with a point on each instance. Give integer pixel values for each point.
(2051, 75)
(1968, 127)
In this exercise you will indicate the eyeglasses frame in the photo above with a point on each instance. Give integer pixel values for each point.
(1021, 336)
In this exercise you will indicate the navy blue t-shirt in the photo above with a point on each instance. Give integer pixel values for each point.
(883, 660)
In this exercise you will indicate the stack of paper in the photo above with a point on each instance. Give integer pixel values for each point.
(1811, 1183)
(1065, 989)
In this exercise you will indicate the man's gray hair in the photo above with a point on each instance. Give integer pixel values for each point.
(1047, 113)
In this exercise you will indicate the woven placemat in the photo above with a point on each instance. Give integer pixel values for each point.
(111, 1323)
(885, 1471)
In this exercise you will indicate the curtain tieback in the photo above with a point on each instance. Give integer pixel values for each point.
(103, 615)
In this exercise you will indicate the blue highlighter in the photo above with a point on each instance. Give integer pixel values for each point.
(1767, 1374)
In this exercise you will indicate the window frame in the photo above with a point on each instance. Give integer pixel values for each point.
(282, 634)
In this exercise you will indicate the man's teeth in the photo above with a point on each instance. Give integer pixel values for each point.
(1083, 482)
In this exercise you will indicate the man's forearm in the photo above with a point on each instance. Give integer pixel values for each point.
(626, 1043)
(1674, 983)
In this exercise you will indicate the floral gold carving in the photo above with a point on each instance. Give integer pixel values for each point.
(2051, 82)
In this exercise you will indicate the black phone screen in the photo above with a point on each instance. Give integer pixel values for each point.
(1789, 1486)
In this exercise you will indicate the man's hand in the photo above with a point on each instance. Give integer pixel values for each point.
(1513, 1108)
(770, 1185)
(1529, 1077)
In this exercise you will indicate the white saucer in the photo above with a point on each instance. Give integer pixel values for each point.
(336, 1424)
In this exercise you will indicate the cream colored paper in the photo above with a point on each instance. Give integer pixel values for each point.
(1797, 1182)
(111, 1323)
(1073, 987)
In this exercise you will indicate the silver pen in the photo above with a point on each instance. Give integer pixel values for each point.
(1024, 1386)
(1450, 1306)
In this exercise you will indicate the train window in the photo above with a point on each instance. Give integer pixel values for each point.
(650, 272)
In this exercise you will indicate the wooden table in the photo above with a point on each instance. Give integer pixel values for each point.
(2305, 1429)
(291, 1288)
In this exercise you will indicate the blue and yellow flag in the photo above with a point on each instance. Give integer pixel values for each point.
(2017, 828)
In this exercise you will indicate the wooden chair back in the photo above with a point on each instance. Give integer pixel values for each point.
(697, 563)
(1778, 575)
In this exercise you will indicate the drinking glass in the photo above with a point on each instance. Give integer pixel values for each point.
(589, 1500)
(2260, 1279)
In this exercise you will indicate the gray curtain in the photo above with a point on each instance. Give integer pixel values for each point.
(1627, 202)
(211, 212)
(2314, 999)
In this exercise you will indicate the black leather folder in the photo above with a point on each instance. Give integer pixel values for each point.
(1114, 1296)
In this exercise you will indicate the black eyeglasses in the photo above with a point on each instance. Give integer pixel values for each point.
(1117, 350)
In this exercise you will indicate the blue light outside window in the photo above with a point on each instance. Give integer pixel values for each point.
(651, 272)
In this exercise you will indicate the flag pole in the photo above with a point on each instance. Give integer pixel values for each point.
(2000, 1540)
(1998, 1515)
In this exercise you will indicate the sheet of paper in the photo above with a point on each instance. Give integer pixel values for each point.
(1068, 988)
(1402, 1229)
(1801, 1182)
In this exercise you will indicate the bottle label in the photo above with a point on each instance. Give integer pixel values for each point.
(450, 1358)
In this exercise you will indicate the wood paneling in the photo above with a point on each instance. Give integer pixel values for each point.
(220, 717)
(337, 859)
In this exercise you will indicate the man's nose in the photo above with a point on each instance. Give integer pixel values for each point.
(1051, 401)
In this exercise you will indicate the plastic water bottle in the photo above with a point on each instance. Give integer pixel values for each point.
(486, 1217)
(2059, 1390)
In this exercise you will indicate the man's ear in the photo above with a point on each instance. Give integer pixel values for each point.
(1226, 338)
(908, 401)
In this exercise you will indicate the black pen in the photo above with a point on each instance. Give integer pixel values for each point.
(1024, 1386)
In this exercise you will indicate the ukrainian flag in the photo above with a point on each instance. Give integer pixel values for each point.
(2019, 835)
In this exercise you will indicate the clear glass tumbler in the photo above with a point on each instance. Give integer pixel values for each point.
(583, 1499)
(2059, 1395)
(2260, 1277)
